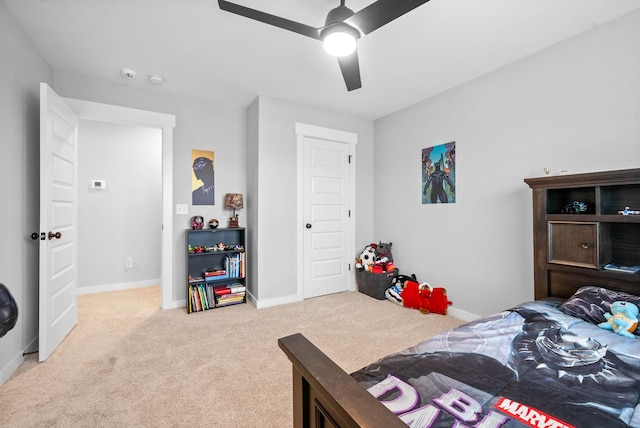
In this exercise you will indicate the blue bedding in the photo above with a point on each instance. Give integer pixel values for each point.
(529, 366)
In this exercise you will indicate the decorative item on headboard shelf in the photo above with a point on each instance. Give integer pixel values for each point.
(234, 201)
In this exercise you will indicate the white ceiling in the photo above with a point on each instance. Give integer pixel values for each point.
(207, 53)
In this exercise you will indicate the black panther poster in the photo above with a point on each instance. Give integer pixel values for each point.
(439, 174)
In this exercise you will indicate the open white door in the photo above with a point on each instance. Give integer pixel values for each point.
(58, 218)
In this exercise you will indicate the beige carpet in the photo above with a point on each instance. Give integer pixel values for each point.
(128, 363)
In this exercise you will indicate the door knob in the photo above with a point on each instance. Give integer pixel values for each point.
(308, 226)
(56, 235)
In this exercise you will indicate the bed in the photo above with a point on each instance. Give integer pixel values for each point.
(545, 363)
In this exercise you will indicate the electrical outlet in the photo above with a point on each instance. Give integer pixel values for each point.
(128, 263)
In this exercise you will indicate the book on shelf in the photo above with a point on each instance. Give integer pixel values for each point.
(215, 275)
(620, 268)
(229, 289)
(235, 265)
(230, 299)
(201, 297)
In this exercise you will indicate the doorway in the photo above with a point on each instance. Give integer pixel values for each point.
(326, 210)
(119, 206)
(87, 110)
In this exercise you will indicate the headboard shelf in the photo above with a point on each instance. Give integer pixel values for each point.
(577, 230)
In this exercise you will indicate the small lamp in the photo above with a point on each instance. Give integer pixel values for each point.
(234, 201)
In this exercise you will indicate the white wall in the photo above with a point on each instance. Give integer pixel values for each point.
(273, 147)
(575, 105)
(125, 218)
(22, 70)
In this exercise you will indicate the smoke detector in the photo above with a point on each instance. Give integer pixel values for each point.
(128, 73)
(156, 79)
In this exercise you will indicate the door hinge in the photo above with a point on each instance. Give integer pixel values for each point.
(349, 213)
(349, 267)
(350, 158)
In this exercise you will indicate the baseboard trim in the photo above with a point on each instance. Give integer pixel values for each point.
(266, 303)
(118, 286)
(11, 367)
(463, 315)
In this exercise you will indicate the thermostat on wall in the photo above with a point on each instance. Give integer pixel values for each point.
(98, 184)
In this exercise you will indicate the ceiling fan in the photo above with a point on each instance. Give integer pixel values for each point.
(342, 28)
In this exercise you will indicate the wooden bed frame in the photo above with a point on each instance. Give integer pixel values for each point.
(324, 395)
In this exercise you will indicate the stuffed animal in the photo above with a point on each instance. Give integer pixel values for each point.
(438, 302)
(384, 250)
(367, 257)
(416, 295)
(622, 320)
(425, 298)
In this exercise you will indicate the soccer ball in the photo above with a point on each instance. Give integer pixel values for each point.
(368, 257)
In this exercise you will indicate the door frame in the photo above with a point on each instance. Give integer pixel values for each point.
(320, 133)
(88, 110)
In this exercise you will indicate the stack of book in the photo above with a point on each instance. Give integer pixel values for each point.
(213, 275)
(229, 294)
(235, 265)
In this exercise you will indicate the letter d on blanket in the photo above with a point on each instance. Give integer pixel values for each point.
(405, 401)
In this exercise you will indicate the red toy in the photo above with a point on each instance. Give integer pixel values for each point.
(425, 298)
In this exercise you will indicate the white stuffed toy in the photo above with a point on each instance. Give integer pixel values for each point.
(368, 257)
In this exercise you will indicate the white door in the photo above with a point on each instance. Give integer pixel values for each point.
(326, 215)
(58, 218)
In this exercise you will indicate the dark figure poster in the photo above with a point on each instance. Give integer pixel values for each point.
(202, 181)
(439, 174)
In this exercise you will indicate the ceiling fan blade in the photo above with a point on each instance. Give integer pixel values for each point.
(350, 70)
(276, 21)
(380, 13)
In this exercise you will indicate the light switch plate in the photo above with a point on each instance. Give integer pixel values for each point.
(182, 208)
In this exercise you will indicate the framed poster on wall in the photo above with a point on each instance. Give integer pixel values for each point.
(439, 174)
(202, 178)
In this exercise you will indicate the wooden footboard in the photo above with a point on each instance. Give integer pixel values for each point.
(324, 395)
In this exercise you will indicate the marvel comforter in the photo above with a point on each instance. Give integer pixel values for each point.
(530, 366)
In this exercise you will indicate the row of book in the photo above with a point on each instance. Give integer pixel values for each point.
(207, 296)
(235, 265)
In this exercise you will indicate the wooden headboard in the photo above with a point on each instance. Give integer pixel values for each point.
(578, 229)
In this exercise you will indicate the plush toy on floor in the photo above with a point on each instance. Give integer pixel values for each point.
(425, 298)
(622, 320)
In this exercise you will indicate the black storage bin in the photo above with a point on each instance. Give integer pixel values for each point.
(374, 284)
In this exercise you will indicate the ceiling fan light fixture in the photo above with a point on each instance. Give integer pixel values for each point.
(340, 39)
